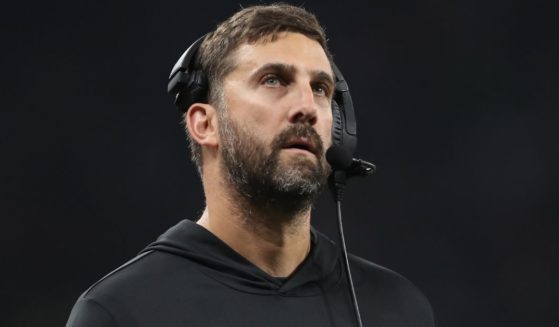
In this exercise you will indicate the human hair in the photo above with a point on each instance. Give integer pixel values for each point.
(260, 23)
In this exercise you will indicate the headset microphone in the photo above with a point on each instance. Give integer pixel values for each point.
(340, 160)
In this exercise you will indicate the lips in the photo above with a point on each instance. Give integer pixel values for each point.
(299, 137)
(302, 143)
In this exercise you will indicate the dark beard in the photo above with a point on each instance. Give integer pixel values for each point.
(262, 180)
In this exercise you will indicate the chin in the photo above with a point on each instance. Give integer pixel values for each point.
(302, 176)
(302, 165)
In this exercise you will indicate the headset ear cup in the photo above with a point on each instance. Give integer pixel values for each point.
(337, 125)
(194, 90)
(344, 127)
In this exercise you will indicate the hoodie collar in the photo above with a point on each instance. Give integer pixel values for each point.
(220, 262)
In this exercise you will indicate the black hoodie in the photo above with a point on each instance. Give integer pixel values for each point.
(189, 277)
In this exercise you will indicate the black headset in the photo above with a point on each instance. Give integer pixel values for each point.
(189, 84)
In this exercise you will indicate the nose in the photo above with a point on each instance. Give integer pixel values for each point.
(304, 106)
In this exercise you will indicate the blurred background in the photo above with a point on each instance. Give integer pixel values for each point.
(457, 104)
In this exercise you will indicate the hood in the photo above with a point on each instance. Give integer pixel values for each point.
(217, 260)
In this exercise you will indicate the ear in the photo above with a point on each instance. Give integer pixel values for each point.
(201, 121)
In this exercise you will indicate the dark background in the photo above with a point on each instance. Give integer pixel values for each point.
(457, 104)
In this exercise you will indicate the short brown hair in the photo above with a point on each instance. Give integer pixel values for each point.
(249, 25)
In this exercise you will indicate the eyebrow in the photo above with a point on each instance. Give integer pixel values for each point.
(282, 68)
(323, 77)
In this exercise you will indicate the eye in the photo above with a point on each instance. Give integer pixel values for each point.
(272, 80)
(320, 89)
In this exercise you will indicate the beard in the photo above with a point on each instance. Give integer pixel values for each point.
(265, 181)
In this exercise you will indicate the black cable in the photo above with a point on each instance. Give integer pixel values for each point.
(346, 265)
(338, 183)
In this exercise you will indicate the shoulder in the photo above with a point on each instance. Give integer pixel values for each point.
(379, 277)
(89, 313)
(389, 292)
(128, 291)
(98, 304)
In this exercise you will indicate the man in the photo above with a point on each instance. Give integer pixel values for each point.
(252, 258)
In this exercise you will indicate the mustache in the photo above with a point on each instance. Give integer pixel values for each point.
(299, 131)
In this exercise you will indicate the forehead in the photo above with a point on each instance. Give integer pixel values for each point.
(296, 49)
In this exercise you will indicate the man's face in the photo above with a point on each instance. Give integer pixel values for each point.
(277, 120)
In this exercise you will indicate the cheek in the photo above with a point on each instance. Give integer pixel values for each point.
(251, 116)
(259, 128)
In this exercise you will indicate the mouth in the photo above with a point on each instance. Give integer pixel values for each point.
(301, 143)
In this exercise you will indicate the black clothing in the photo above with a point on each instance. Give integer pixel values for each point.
(189, 277)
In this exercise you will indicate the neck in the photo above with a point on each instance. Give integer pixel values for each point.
(274, 241)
